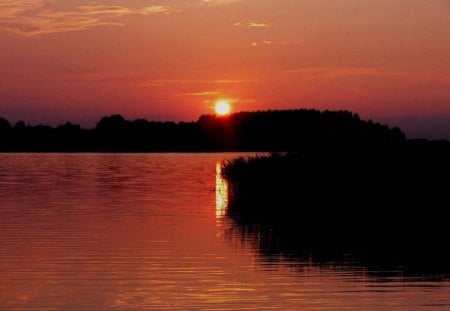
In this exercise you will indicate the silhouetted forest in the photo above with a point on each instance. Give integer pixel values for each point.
(286, 130)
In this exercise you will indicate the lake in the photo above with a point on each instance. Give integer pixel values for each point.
(150, 232)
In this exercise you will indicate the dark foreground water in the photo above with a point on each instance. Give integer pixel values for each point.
(149, 232)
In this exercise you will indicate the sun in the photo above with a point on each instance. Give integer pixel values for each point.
(222, 107)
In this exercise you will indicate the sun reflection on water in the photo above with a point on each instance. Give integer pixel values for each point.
(221, 192)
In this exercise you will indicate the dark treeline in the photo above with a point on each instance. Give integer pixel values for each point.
(287, 130)
(111, 134)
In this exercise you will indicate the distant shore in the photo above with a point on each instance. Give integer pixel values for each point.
(277, 130)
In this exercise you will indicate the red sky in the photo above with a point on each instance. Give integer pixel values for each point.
(79, 60)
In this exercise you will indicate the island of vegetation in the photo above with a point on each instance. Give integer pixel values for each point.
(354, 188)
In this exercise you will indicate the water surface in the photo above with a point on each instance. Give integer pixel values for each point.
(149, 232)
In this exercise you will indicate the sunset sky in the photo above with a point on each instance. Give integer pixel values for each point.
(170, 60)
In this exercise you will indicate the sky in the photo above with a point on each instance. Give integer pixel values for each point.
(388, 60)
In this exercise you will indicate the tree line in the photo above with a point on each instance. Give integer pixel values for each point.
(273, 130)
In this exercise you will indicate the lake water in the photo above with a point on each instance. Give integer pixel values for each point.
(150, 232)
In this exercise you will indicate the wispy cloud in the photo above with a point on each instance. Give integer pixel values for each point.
(113, 11)
(335, 72)
(229, 81)
(252, 23)
(37, 17)
(262, 43)
(220, 2)
(273, 43)
(205, 93)
(160, 82)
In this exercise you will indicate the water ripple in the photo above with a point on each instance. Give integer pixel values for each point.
(144, 232)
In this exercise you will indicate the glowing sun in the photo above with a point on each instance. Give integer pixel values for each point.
(222, 107)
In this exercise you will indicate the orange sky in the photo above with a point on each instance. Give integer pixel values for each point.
(79, 60)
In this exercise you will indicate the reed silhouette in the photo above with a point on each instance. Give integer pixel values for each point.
(384, 204)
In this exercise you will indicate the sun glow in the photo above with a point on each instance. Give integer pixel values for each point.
(222, 107)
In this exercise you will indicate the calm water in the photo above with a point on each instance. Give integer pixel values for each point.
(148, 232)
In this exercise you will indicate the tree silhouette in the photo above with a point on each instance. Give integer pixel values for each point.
(4, 125)
(277, 130)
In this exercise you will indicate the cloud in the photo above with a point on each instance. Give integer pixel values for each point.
(205, 93)
(252, 23)
(114, 11)
(256, 24)
(160, 82)
(220, 2)
(38, 17)
(262, 43)
(336, 72)
(228, 81)
(273, 43)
